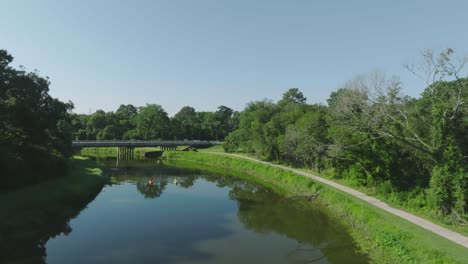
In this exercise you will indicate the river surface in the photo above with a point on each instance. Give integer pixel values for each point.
(198, 217)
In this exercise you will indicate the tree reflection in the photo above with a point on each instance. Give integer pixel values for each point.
(264, 211)
(141, 173)
(154, 190)
(318, 235)
(27, 245)
(186, 181)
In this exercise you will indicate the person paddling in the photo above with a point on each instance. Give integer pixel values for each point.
(151, 181)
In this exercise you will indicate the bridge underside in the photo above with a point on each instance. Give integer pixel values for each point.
(126, 149)
(125, 153)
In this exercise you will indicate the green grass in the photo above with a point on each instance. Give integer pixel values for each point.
(111, 152)
(402, 200)
(384, 237)
(215, 148)
(29, 216)
(409, 204)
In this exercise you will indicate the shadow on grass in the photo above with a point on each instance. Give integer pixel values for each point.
(32, 215)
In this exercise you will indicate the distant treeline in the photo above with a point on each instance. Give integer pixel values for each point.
(148, 122)
(412, 150)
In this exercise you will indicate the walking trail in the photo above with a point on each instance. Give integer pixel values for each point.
(441, 231)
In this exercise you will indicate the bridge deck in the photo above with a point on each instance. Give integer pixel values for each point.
(142, 143)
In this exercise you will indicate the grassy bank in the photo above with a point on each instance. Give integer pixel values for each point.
(30, 216)
(415, 202)
(385, 237)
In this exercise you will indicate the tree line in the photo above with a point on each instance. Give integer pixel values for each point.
(412, 149)
(148, 122)
(35, 129)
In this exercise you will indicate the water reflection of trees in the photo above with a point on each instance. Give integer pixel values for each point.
(261, 209)
(27, 245)
(318, 235)
(154, 190)
(141, 173)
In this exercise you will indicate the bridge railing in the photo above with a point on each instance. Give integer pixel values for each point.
(142, 143)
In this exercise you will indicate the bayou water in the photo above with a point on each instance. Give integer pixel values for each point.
(189, 216)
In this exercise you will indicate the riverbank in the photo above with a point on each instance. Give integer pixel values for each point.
(31, 215)
(410, 202)
(385, 237)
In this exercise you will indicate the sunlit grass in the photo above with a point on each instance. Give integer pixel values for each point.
(215, 148)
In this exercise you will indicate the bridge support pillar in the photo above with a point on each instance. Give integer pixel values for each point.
(76, 151)
(125, 153)
(169, 148)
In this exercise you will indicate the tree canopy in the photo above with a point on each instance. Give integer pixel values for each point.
(152, 122)
(372, 134)
(35, 129)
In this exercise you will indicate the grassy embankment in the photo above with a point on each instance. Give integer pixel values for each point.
(413, 202)
(29, 216)
(385, 237)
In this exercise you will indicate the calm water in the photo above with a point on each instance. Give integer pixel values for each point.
(196, 217)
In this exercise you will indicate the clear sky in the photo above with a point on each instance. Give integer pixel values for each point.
(206, 53)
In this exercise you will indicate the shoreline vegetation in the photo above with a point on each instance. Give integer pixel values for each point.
(384, 237)
(33, 214)
(374, 192)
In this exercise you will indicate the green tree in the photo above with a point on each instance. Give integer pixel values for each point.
(152, 122)
(186, 124)
(125, 116)
(295, 96)
(222, 123)
(35, 129)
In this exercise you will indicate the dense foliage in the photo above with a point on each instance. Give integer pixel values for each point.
(35, 130)
(372, 135)
(152, 122)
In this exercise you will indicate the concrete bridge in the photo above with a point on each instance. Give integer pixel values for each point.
(125, 148)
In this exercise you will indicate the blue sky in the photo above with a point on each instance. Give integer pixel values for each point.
(100, 54)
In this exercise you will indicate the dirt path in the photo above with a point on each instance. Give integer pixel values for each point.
(444, 232)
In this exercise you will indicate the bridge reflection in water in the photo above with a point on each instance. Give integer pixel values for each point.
(126, 148)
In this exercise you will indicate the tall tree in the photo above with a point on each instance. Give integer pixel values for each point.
(152, 122)
(186, 123)
(35, 129)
